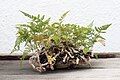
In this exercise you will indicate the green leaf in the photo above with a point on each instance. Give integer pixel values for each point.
(24, 25)
(102, 41)
(30, 16)
(96, 55)
(17, 43)
(42, 18)
(26, 14)
(47, 21)
(105, 27)
(38, 16)
(25, 53)
(85, 50)
(98, 36)
(56, 38)
(91, 24)
(97, 29)
(63, 16)
(102, 29)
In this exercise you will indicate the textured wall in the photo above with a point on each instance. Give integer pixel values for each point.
(81, 12)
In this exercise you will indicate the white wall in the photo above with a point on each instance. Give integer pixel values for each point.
(81, 12)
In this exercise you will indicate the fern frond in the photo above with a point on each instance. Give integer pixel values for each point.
(91, 24)
(31, 16)
(63, 16)
(25, 53)
(23, 25)
(101, 29)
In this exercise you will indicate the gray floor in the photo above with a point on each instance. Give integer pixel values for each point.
(108, 69)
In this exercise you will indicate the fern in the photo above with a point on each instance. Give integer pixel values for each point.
(101, 29)
(39, 31)
(63, 16)
(91, 24)
(34, 18)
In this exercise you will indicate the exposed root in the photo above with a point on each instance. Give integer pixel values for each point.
(66, 56)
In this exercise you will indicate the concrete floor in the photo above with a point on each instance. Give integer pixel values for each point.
(108, 69)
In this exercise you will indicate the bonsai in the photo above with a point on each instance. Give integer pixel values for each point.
(57, 44)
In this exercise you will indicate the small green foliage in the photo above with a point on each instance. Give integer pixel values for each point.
(102, 29)
(38, 31)
(96, 55)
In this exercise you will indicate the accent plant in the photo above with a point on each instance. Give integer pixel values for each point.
(57, 43)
